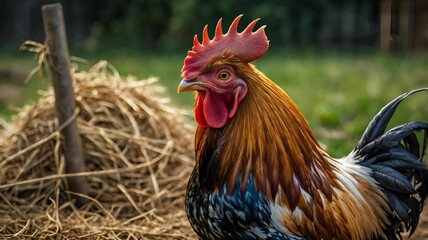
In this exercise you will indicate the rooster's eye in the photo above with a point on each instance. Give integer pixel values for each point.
(223, 75)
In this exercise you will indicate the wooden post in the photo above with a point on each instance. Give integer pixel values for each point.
(62, 81)
(420, 27)
(405, 24)
(385, 24)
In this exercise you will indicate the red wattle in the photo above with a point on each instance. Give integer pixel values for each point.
(199, 111)
(236, 101)
(215, 110)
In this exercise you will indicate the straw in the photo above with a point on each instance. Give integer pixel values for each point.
(138, 152)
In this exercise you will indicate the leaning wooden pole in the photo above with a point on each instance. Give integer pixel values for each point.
(62, 81)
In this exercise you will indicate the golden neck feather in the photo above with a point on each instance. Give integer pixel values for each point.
(270, 139)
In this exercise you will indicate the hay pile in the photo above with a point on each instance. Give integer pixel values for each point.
(138, 152)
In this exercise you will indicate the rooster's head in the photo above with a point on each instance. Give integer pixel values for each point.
(211, 69)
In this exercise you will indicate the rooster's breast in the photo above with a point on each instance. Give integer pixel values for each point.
(244, 214)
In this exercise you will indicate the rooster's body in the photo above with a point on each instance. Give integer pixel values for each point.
(261, 174)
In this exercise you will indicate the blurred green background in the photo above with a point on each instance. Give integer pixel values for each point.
(341, 61)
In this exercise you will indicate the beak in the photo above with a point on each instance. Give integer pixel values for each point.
(189, 85)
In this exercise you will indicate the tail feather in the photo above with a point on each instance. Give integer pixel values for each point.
(395, 158)
(392, 138)
(400, 158)
(377, 126)
(392, 179)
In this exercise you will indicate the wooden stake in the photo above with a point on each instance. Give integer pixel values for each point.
(385, 24)
(62, 81)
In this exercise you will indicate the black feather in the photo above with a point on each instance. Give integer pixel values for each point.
(393, 137)
(208, 168)
(377, 126)
(411, 143)
(402, 165)
(392, 179)
(395, 158)
(394, 154)
(399, 206)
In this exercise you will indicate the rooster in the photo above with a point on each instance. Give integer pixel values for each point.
(261, 174)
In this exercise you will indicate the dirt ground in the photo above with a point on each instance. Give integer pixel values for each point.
(422, 230)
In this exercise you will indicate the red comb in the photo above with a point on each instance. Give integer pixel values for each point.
(246, 45)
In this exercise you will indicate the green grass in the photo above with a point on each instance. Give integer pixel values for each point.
(338, 93)
(15, 67)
